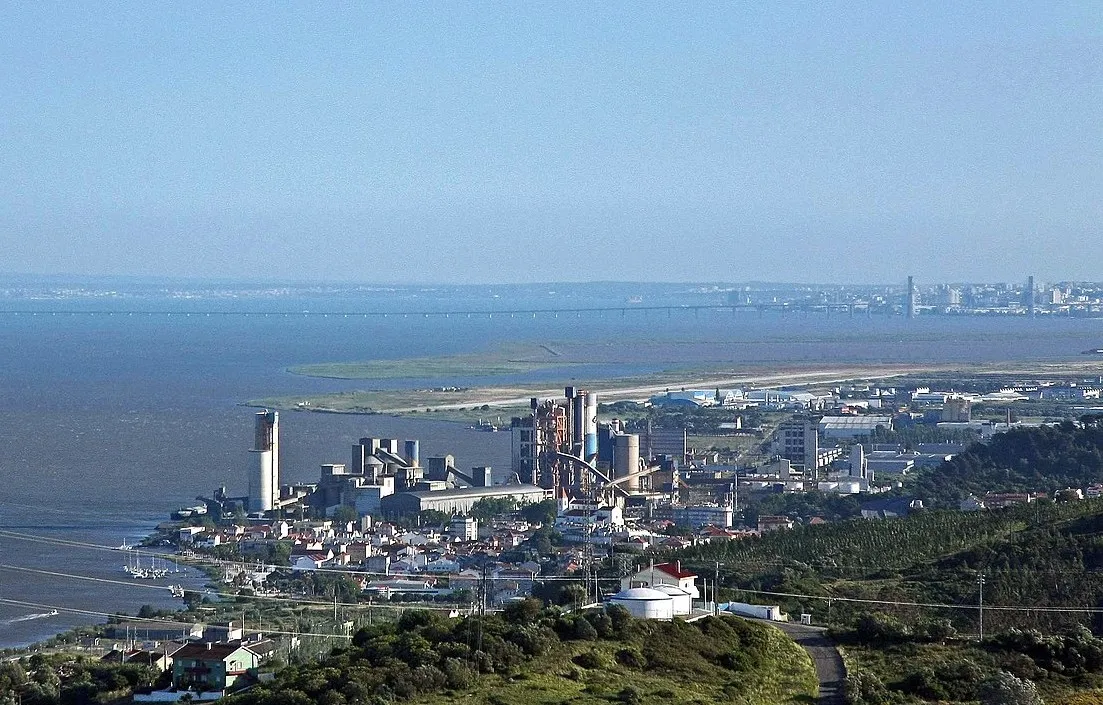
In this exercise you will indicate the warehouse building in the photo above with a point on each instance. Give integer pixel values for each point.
(457, 501)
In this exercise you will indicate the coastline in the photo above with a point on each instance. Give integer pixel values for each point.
(405, 402)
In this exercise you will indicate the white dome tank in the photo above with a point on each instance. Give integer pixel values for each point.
(683, 600)
(645, 603)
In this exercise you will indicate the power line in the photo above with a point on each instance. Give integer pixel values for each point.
(930, 605)
(151, 621)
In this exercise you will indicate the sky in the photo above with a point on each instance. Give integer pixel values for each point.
(839, 142)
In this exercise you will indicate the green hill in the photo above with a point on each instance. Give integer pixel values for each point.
(1044, 459)
(529, 655)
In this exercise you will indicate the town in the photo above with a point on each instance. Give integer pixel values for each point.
(584, 518)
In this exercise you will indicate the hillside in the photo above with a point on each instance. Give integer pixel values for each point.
(1043, 459)
(902, 596)
(531, 655)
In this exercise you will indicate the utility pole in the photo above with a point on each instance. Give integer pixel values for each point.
(715, 582)
(980, 604)
(482, 606)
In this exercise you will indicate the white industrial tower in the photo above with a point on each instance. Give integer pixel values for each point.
(264, 474)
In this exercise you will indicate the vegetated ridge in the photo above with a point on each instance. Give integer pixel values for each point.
(529, 654)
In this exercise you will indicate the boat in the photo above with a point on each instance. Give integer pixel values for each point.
(484, 426)
(1093, 351)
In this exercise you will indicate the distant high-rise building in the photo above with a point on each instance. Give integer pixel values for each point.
(264, 475)
(797, 441)
(1028, 296)
(909, 305)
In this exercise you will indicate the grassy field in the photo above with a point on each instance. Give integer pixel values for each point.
(509, 361)
(683, 677)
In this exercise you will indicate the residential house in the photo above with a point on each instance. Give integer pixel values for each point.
(207, 666)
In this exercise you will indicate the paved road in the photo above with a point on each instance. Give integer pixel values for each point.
(829, 664)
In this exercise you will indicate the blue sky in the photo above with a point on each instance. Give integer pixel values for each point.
(485, 142)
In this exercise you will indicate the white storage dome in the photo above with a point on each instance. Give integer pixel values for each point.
(682, 599)
(645, 603)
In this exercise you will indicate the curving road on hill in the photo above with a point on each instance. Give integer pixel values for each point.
(825, 657)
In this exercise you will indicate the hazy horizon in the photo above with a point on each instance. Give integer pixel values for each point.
(231, 281)
(498, 143)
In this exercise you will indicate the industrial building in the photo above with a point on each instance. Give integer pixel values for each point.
(662, 574)
(696, 516)
(850, 427)
(264, 474)
(551, 431)
(798, 441)
(457, 501)
(382, 467)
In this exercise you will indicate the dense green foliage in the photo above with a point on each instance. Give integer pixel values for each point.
(490, 507)
(426, 657)
(1011, 666)
(1044, 459)
(540, 512)
(1042, 554)
(69, 680)
(912, 436)
(831, 506)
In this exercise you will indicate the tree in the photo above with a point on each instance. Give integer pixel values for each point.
(344, 514)
(279, 552)
(433, 517)
(491, 507)
(192, 599)
(1006, 689)
(540, 512)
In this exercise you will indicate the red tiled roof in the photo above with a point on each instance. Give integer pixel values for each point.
(216, 651)
(674, 570)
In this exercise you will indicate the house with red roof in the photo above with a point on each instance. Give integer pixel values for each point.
(662, 574)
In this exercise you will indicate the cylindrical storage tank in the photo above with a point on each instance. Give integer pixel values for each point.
(683, 600)
(645, 603)
(260, 481)
(578, 420)
(373, 468)
(626, 459)
(589, 427)
(412, 452)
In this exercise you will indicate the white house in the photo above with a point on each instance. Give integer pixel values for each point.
(662, 574)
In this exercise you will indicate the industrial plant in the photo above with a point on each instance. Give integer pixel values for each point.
(385, 477)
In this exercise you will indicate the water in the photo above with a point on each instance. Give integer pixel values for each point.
(109, 422)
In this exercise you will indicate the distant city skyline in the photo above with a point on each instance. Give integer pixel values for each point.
(453, 143)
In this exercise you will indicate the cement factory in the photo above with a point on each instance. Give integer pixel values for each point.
(561, 447)
(384, 478)
(558, 450)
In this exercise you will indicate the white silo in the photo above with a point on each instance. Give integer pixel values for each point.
(645, 603)
(682, 599)
(260, 481)
(626, 459)
(264, 473)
